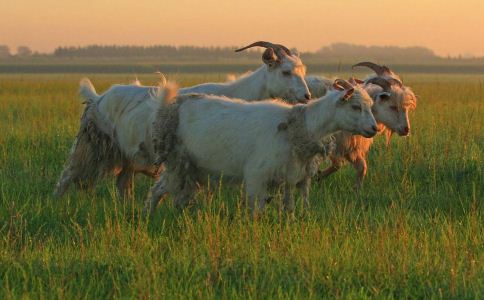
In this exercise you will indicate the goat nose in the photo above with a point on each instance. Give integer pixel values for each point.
(307, 96)
(406, 130)
(374, 128)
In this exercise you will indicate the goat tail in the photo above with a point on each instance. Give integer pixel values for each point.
(231, 77)
(87, 91)
(91, 112)
(136, 82)
(167, 93)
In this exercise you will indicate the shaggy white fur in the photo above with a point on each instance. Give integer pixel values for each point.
(210, 140)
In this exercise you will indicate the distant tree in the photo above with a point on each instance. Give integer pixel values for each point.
(23, 51)
(4, 51)
(387, 53)
(158, 51)
(338, 52)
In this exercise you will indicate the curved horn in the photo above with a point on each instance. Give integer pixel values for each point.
(162, 77)
(394, 81)
(379, 70)
(276, 47)
(355, 81)
(288, 52)
(345, 84)
(384, 83)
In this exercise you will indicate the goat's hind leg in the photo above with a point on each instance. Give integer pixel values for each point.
(184, 198)
(303, 188)
(124, 182)
(154, 197)
(288, 199)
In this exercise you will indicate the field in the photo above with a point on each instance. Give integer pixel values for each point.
(416, 230)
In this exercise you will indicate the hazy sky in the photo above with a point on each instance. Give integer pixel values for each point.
(446, 26)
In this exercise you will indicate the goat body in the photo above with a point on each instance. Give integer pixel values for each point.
(244, 141)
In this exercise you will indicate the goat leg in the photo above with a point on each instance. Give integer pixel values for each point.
(359, 164)
(154, 197)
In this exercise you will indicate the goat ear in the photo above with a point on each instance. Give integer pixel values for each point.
(348, 94)
(338, 87)
(269, 57)
(384, 96)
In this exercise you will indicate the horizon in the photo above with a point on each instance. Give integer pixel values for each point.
(448, 29)
(13, 50)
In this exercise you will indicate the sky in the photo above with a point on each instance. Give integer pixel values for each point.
(446, 26)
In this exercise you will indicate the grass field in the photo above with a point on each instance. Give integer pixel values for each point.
(416, 231)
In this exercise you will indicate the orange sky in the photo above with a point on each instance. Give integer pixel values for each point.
(446, 26)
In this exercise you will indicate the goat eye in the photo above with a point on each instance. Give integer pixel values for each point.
(394, 108)
(286, 73)
(356, 107)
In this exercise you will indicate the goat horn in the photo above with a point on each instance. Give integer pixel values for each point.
(384, 83)
(345, 84)
(379, 70)
(288, 52)
(355, 81)
(394, 81)
(276, 47)
(162, 77)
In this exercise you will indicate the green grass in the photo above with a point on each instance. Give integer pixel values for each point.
(416, 231)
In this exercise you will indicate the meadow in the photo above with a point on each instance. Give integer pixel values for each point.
(415, 231)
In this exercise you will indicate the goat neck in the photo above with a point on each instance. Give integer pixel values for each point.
(319, 116)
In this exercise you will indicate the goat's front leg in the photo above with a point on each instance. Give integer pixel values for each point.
(64, 182)
(328, 171)
(388, 136)
(359, 164)
(256, 192)
(68, 173)
(336, 163)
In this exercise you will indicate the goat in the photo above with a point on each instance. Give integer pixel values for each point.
(129, 109)
(392, 103)
(281, 76)
(258, 142)
(97, 149)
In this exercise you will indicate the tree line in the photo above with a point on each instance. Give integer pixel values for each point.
(333, 52)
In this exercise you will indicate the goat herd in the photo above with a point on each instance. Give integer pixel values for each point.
(186, 137)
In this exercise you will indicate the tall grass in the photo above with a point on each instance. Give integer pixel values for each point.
(414, 232)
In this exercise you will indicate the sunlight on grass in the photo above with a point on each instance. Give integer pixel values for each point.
(414, 232)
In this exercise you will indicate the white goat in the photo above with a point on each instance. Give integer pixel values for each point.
(281, 76)
(97, 151)
(392, 103)
(260, 142)
(126, 112)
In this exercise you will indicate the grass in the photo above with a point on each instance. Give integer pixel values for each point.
(416, 231)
